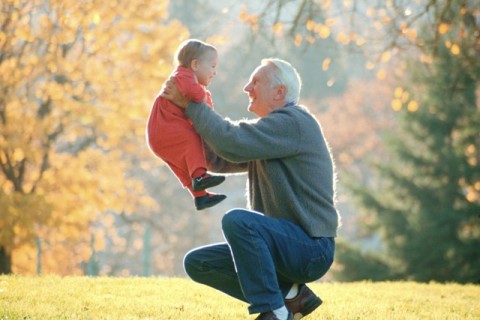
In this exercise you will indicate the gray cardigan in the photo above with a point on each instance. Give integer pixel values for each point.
(290, 169)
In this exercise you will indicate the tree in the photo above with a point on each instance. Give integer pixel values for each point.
(76, 83)
(426, 199)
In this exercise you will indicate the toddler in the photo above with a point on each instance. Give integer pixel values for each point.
(170, 134)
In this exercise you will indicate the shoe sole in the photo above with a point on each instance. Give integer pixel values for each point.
(209, 184)
(210, 204)
(308, 308)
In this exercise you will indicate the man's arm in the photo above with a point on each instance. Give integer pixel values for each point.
(272, 137)
(171, 92)
(217, 164)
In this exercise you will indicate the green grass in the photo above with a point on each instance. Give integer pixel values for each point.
(51, 297)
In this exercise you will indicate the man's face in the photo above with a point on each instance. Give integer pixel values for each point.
(260, 92)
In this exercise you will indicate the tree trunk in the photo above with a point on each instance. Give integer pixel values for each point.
(5, 261)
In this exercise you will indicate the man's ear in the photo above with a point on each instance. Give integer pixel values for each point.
(280, 92)
(194, 64)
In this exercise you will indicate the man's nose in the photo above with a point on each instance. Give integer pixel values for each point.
(247, 87)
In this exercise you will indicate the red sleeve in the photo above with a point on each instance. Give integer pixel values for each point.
(208, 98)
(188, 85)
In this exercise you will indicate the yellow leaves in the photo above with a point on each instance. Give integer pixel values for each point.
(381, 74)
(455, 49)
(23, 33)
(471, 151)
(397, 93)
(326, 64)
(310, 25)
(410, 34)
(101, 79)
(396, 105)
(217, 39)
(323, 31)
(343, 38)
(443, 28)
(329, 22)
(412, 106)
(18, 155)
(402, 97)
(472, 195)
(427, 59)
(369, 65)
(95, 18)
(278, 28)
(360, 42)
(3, 38)
(320, 29)
(471, 154)
(386, 56)
(298, 40)
(251, 19)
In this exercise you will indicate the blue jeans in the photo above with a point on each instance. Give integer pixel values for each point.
(261, 260)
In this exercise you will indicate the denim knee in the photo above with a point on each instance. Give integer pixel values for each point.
(233, 219)
(192, 264)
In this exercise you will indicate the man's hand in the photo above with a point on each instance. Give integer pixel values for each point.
(171, 92)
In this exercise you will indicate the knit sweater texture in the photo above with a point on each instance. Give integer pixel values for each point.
(290, 168)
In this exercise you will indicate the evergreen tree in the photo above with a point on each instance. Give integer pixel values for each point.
(426, 201)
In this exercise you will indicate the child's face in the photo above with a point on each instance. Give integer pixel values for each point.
(205, 67)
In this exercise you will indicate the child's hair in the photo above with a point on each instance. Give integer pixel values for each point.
(190, 50)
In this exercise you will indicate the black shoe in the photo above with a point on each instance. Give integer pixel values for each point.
(271, 316)
(304, 303)
(206, 181)
(209, 200)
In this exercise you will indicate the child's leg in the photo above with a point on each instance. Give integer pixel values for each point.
(184, 177)
(202, 198)
(195, 156)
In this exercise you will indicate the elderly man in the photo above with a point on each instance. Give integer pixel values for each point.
(286, 238)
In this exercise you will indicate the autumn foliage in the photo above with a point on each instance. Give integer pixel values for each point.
(76, 82)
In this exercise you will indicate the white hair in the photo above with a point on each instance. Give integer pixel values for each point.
(285, 74)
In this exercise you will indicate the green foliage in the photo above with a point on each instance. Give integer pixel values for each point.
(357, 265)
(426, 198)
(52, 297)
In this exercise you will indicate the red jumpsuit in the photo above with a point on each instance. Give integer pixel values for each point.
(170, 134)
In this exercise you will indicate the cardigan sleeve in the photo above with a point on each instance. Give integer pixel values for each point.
(217, 164)
(276, 135)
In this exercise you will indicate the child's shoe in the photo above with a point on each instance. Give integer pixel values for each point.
(206, 181)
(208, 200)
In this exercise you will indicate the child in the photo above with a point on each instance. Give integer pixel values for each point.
(171, 136)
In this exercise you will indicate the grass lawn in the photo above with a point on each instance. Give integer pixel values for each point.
(51, 297)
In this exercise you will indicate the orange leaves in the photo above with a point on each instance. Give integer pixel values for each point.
(251, 19)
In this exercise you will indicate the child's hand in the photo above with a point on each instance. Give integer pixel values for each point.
(171, 92)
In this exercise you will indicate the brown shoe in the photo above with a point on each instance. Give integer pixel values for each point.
(304, 303)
